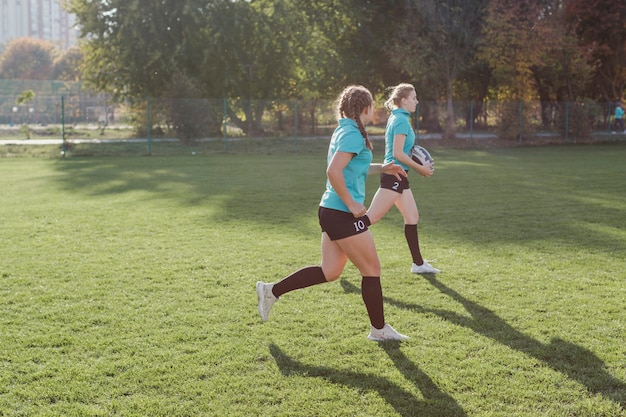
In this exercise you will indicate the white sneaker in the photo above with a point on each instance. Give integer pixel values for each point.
(385, 334)
(424, 268)
(266, 299)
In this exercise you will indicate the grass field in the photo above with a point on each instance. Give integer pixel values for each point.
(127, 289)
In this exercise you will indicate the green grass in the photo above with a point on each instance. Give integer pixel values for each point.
(168, 147)
(127, 289)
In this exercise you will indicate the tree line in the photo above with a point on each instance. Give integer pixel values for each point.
(258, 51)
(36, 59)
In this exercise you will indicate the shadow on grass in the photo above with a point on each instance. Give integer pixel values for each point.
(435, 402)
(574, 361)
(228, 185)
(547, 205)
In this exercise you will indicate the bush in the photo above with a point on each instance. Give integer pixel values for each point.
(576, 119)
(192, 119)
(512, 114)
(25, 130)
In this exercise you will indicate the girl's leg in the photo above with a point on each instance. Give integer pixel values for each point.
(302, 278)
(383, 200)
(406, 205)
(361, 251)
(372, 294)
(333, 262)
(333, 258)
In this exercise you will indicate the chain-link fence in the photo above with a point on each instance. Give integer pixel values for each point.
(77, 117)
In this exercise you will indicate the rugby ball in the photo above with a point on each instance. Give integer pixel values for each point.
(421, 155)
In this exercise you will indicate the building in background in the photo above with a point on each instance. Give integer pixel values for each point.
(43, 19)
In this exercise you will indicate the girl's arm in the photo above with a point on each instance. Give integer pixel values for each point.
(398, 153)
(390, 168)
(334, 172)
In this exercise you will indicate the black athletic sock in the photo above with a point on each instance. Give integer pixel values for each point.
(372, 294)
(302, 278)
(410, 233)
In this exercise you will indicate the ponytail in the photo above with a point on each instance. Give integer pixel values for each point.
(351, 103)
(397, 93)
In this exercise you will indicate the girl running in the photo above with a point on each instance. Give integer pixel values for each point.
(342, 216)
(399, 140)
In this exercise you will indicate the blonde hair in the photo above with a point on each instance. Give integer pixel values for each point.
(397, 93)
(351, 103)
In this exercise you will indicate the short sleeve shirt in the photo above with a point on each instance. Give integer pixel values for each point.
(347, 138)
(619, 112)
(398, 124)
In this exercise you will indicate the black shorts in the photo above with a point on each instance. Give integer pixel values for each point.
(390, 182)
(340, 224)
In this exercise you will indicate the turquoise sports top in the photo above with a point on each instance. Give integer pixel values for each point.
(348, 138)
(398, 124)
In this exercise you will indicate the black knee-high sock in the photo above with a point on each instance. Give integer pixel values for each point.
(410, 233)
(302, 278)
(372, 294)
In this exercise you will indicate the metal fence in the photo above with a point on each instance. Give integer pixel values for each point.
(80, 116)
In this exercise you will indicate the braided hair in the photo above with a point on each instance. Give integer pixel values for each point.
(397, 93)
(352, 101)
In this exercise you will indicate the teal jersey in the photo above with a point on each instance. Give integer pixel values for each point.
(347, 138)
(398, 124)
(619, 112)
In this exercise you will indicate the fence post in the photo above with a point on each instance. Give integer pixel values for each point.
(472, 122)
(521, 120)
(149, 126)
(224, 127)
(295, 126)
(63, 126)
(567, 121)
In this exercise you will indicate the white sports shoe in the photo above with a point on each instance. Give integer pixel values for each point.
(266, 299)
(424, 268)
(387, 333)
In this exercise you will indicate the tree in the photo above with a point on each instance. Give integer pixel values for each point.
(339, 47)
(511, 46)
(563, 71)
(252, 49)
(437, 42)
(26, 97)
(240, 49)
(533, 52)
(130, 47)
(28, 59)
(473, 88)
(66, 66)
(601, 28)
